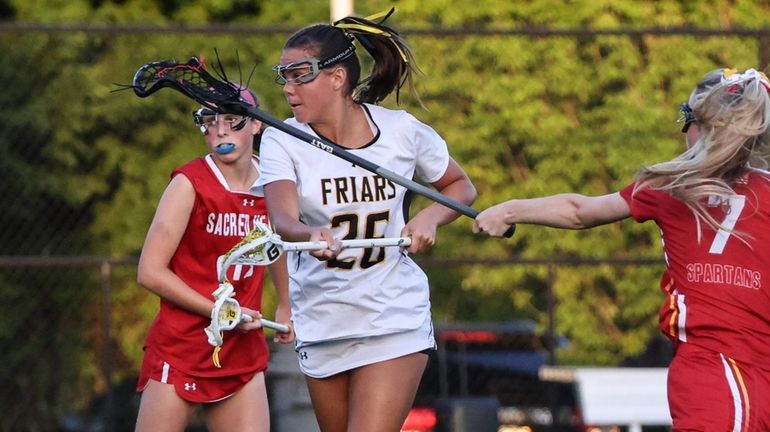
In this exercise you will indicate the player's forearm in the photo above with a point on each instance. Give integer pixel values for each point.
(461, 191)
(283, 207)
(167, 285)
(559, 211)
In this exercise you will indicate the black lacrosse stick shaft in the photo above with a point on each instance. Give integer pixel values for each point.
(340, 152)
(193, 80)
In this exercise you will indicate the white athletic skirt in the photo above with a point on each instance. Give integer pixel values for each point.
(324, 359)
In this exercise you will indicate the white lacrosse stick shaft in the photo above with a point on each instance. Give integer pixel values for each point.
(267, 323)
(348, 244)
(263, 247)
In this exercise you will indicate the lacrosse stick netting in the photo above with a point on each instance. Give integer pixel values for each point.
(225, 315)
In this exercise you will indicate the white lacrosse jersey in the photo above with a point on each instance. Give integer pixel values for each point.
(364, 292)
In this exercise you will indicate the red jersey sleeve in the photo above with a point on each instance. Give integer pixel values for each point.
(643, 203)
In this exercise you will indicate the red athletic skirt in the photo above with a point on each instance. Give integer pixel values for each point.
(190, 388)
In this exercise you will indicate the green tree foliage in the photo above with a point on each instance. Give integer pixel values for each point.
(529, 116)
(83, 171)
(45, 342)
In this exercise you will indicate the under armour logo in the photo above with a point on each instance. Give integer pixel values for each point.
(303, 355)
(248, 202)
(190, 386)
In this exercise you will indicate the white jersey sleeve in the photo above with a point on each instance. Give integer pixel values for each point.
(431, 156)
(275, 163)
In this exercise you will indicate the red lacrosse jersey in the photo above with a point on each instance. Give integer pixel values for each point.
(716, 287)
(219, 219)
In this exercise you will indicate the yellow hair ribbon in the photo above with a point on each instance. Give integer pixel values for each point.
(365, 28)
(384, 13)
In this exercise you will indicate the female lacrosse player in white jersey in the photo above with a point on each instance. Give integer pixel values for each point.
(362, 317)
(205, 210)
(712, 205)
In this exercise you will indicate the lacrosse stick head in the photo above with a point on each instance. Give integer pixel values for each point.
(226, 314)
(259, 247)
(193, 80)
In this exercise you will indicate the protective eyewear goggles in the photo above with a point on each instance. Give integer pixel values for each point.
(206, 118)
(687, 116)
(307, 69)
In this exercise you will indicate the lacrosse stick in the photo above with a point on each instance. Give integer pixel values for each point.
(194, 81)
(262, 247)
(226, 315)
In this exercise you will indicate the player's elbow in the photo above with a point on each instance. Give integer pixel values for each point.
(580, 223)
(579, 214)
(600, 210)
(572, 221)
(467, 189)
(143, 278)
(146, 276)
(590, 212)
(471, 194)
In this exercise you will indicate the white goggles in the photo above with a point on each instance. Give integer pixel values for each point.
(205, 118)
(307, 69)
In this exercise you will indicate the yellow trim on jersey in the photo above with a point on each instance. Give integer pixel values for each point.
(744, 392)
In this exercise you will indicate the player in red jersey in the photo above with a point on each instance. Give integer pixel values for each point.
(712, 204)
(206, 208)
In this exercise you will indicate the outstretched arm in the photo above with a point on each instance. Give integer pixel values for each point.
(569, 210)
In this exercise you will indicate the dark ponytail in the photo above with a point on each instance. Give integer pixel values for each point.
(393, 66)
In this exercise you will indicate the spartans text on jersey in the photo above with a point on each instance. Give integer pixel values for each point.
(724, 274)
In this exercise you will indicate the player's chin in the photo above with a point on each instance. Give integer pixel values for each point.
(300, 114)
